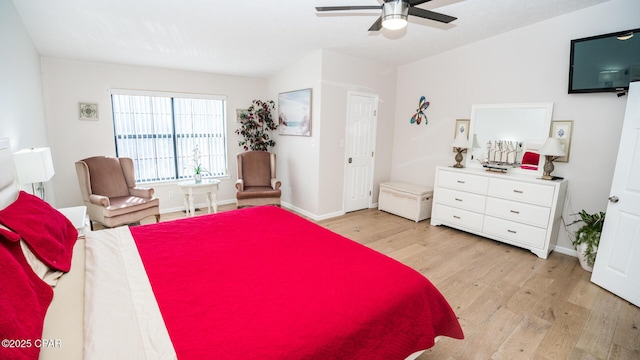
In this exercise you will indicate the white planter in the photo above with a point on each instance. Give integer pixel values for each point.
(583, 262)
(197, 177)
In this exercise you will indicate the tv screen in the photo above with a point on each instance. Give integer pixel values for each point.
(605, 63)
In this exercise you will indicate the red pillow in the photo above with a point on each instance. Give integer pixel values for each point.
(49, 234)
(530, 160)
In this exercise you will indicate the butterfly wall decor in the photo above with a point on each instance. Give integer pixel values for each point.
(422, 107)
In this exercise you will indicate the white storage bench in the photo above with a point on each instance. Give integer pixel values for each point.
(407, 200)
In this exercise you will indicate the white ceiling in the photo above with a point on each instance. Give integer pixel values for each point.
(259, 38)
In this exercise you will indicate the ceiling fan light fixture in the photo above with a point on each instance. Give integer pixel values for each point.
(394, 14)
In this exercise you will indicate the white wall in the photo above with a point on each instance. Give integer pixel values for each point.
(298, 156)
(530, 64)
(68, 83)
(340, 74)
(312, 168)
(22, 114)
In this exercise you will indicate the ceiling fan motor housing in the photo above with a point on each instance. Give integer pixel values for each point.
(394, 14)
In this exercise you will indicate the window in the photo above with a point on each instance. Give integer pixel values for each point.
(162, 132)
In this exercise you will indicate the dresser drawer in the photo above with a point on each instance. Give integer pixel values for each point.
(460, 199)
(457, 217)
(521, 191)
(461, 181)
(527, 235)
(521, 212)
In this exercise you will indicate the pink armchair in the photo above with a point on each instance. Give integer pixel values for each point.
(108, 189)
(257, 183)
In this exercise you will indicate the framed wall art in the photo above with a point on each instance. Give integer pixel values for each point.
(462, 127)
(241, 114)
(294, 113)
(561, 129)
(88, 111)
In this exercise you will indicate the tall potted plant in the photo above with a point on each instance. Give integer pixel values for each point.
(587, 237)
(257, 122)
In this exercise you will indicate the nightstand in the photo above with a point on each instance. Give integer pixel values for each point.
(78, 217)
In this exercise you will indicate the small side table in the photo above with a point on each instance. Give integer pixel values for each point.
(78, 217)
(191, 187)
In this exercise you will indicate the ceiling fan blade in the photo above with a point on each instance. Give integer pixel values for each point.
(376, 25)
(430, 15)
(341, 8)
(417, 2)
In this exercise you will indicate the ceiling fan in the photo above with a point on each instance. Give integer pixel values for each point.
(394, 13)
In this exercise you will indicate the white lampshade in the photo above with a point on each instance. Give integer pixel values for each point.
(33, 165)
(461, 141)
(394, 15)
(552, 147)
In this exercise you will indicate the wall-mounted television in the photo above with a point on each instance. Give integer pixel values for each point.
(605, 63)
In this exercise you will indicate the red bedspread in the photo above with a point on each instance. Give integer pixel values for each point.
(264, 283)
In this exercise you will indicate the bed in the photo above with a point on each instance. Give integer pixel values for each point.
(251, 283)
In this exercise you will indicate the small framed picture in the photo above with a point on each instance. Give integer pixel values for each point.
(461, 128)
(241, 114)
(561, 130)
(88, 111)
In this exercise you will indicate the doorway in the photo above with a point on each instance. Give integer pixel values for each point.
(362, 110)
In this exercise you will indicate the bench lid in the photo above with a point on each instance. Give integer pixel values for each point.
(407, 187)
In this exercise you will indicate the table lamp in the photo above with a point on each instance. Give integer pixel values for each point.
(34, 166)
(551, 150)
(460, 144)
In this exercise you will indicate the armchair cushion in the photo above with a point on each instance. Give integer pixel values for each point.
(258, 192)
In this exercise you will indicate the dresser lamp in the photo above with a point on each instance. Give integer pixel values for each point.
(551, 150)
(34, 166)
(460, 144)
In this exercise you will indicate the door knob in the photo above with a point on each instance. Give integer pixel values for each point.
(614, 199)
(350, 160)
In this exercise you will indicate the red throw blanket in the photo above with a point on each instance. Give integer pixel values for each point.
(264, 283)
(24, 299)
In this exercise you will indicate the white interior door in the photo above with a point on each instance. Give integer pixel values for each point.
(617, 266)
(359, 152)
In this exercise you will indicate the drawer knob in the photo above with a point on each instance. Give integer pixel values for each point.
(512, 231)
(456, 217)
(457, 199)
(518, 191)
(460, 182)
(515, 211)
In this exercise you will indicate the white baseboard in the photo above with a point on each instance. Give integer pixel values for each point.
(312, 216)
(566, 251)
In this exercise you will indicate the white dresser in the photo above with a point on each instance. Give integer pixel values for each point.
(519, 210)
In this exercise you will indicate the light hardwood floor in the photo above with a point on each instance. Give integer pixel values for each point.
(510, 303)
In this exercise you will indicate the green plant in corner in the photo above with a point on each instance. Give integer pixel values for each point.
(588, 236)
(257, 122)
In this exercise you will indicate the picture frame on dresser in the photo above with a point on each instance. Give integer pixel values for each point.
(561, 130)
(461, 127)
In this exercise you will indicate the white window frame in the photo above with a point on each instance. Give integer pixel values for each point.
(179, 143)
